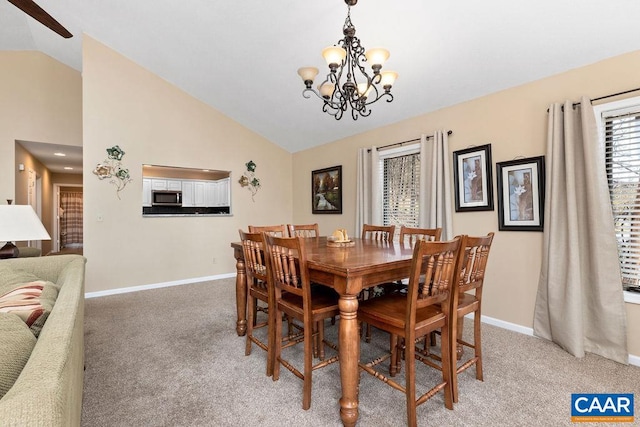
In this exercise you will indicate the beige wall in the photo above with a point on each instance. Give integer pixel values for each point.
(514, 123)
(21, 194)
(41, 100)
(155, 123)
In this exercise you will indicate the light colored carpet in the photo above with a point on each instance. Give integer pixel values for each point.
(171, 357)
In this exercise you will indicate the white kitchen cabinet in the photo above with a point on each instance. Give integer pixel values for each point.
(188, 199)
(146, 192)
(158, 184)
(199, 193)
(174, 184)
(166, 184)
(210, 190)
(222, 192)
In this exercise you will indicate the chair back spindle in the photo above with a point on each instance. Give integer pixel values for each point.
(383, 233)
(410, 235)
(303, 230)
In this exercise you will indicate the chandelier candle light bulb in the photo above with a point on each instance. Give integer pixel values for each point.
(348, 85)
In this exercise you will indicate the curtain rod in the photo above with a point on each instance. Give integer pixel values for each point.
(449, 132)
(575, 104)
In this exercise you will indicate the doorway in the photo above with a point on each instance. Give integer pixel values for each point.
(68, 218)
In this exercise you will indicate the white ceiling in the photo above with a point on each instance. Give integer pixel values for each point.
(56, 157)
(241, 57)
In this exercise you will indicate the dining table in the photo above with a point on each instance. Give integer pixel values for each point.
(348, 269)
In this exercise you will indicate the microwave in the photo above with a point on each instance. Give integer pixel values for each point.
(166, 198)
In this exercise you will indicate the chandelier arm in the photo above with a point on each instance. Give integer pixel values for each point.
(305, 93)
(379, 97)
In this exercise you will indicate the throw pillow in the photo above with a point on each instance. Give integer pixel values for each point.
(17, 344)
(32, 302)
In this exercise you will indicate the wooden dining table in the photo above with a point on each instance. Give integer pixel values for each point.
(348, 270)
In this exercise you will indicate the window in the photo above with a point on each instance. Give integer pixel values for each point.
(400, 177)
(619, 124)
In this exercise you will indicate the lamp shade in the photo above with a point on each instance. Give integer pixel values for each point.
(307, 73)
(326, 89)
(364, 89)
(334, 55)
(388, 78)
(19, 223)
(377, 56)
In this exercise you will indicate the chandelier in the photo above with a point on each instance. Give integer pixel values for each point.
(348, 85)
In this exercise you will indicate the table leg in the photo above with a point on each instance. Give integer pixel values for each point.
(349, 357)
(241, 295)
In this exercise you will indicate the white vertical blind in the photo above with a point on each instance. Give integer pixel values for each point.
(401, 190)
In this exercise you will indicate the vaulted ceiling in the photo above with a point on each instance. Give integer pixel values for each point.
(241, 57)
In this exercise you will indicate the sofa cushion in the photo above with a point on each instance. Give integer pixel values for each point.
(17, 344)
(32, 302)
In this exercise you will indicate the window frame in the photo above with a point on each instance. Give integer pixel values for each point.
(602, 111)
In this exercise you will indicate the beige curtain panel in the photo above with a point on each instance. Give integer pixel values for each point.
(368, 192)
(580, 303)
(436, 210)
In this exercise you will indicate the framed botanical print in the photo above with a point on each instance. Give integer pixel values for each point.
(473, 180)
(521, 194)
(326, 190)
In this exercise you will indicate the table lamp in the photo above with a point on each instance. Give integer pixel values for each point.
(19, 223)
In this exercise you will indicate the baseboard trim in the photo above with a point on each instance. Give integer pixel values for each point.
(633, 359)
(157, 285)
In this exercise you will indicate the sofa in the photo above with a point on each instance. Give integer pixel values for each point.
(48, 342)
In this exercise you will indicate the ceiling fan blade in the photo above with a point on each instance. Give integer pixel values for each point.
(36, 12)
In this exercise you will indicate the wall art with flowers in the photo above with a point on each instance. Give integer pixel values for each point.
(249, 180)
(113, 170)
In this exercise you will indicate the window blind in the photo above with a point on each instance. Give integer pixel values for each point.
(622, 160)
(401, 189)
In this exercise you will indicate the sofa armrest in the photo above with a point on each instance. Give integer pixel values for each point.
(48, 391)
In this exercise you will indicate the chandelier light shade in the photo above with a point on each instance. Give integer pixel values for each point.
(19, 223)
(348, 85)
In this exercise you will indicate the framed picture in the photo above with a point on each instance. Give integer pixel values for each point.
(521, 194)
(326, 190)
(473, 181)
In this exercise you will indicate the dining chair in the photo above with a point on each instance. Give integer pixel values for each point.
(472, 272)
(410, 235)
(289, 279)
(257, 290)
(275, 230)
(303, 230)
(433, 290)
(381, 233)
(384, 233)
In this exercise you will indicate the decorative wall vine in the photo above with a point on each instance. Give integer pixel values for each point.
(249, 180)
(112, 168)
